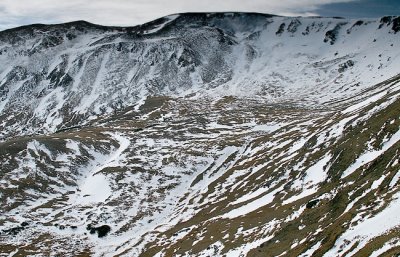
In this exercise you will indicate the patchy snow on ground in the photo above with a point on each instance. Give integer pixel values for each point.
(386, 247)
(252, 206)
(364, 103)
(311, 250)
(367, 229)
(369, 156)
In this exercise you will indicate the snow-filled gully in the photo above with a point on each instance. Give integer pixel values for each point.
(95, 187)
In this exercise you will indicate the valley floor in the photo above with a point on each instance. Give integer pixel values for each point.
(226, 177)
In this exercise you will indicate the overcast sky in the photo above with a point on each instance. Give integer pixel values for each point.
(132, 12)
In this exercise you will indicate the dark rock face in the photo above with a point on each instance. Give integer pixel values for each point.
(332, 35)
(385, 21)
(344, 66)
(356, 24)
(396, 25)
(102, 230)
(391, 20)
(294, 24)
(15, 230)
(312, 203)
(281, 29)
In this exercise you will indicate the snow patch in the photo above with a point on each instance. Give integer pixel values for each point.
(370, 156)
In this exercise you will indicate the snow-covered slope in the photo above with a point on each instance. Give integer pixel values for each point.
(201, 135)
(57, 76)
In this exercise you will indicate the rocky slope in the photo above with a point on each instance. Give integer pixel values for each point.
(201, 135)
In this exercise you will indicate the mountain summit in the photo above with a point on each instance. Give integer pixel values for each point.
(201, 134)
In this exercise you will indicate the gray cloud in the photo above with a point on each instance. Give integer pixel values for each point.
(133, 12)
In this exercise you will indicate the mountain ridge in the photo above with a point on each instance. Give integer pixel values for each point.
(87, 23)
(187, 14)
(196, 68)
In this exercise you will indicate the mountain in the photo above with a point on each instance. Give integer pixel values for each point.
(201, 134)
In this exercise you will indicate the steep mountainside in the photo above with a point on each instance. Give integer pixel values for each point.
(60, 75)
(224, 134)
